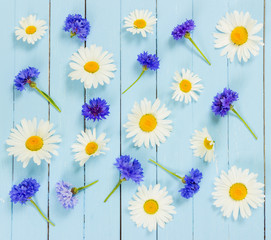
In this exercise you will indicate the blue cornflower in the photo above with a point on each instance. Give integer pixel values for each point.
(180, 30)
(97, 109)
(66, 194)
(191, 183)
(25, 76)
(129, 169)
(223, 103)
(148, 61)
(24, 192)
(184, 30)
(29, 75)
(77, 25)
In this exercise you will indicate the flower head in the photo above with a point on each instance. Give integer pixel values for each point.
(180, 30)
(191, 183)
(129, 168)
(77, 25)
(24, 191)
(24, 76)
(65, 195)
(223, 101)
(148, 61)
(97, 109)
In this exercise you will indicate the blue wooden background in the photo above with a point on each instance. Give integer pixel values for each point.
(92, 219)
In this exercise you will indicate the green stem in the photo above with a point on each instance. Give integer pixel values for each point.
(115, 188)
(182, 178)
(73, 34)
(195, 45)
(84, 187)
(35, 205)
(243, 122)
(48, 98)
(144, 69)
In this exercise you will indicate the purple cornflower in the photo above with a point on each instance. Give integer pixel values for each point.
(129, 168)
(24, 191)
(180, 30)
(25, 76)
(65, 195)
(97, 109)
(191, 184)
(223, 102)
(148, 61)
(77, 25)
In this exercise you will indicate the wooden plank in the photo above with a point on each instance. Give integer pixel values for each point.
(70, 96)
(29, 104)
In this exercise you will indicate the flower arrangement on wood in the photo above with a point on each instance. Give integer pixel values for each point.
(151, 207)
(31, 141)
(77, 26)
(191, 182)
(24, 192)
(148, 124)
(31, 29)
(140, 22)
(223, 103)
(184, 30)
(237, 191)
(237, 36)
(148, 61)
(28, 76)
(129, 169)
(66, 194)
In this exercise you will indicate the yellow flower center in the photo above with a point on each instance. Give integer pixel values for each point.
(91, 67)
(151, 206)
(238, 191)
(140, 23)
(185, 86)
(208, 144)
(147, 123)
(34, 143)
(91, 148)
(30, 29)
(239, 35)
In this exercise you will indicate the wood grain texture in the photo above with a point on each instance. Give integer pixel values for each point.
(196, 219)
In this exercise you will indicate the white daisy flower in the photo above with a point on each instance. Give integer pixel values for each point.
(186, 86)
(237, 191)
(31, 29)
(151, 207)
(140, 21)
(89, 145)
(147, 123)
(203, 145)
(237, 36)
(29, 141)
(92, 66)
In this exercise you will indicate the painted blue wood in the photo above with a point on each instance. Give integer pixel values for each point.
(92, 219)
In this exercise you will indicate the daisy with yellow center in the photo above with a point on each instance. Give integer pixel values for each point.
(31, 141)
(31, 29)
(140, 22)
(203, 145)
(186, 86)
(237, 36)
(237, 191)
(151, 207)
(148, 124)
(92, 66)
(89, 145)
